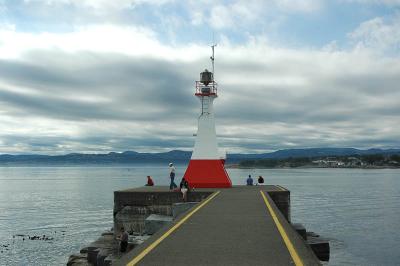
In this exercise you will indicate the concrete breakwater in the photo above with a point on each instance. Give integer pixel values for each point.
(142, 212)
(149, 211)
(133, 206)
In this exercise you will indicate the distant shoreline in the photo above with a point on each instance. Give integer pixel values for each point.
(237, 166)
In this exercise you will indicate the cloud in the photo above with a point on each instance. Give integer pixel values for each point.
(88, 86)
(239, 15)
(113, 86)
(57, 91)
(375, 2)
(100, 7)
(65, 15)
(381, 34)
(306, 6)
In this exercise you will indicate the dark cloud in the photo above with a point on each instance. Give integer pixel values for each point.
(98, 102)
(129, 88)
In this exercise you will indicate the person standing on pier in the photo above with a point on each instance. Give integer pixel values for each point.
(172, 185)
(124, 240)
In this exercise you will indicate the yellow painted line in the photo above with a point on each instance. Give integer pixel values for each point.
(296, 259)
(172, 229)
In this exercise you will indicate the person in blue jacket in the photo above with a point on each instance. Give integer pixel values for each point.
(249, 181)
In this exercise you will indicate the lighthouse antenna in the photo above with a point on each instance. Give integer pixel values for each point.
(212, 60)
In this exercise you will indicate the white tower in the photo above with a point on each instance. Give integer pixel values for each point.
(206, 168)
(206, 141)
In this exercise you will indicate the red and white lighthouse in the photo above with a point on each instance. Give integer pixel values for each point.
(206, 168)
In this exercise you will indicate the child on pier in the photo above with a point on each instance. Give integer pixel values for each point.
(184, 185)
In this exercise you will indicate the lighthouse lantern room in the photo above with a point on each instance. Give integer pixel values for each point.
(206, 169)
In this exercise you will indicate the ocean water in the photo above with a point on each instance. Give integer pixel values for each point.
(358, 210)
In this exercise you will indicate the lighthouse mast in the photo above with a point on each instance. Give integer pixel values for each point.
(212, 60)
(206, 168)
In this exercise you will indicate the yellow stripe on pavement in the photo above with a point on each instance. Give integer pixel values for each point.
(288, 243)
(172, 229)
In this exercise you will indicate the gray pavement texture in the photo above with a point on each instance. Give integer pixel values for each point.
(234, 228)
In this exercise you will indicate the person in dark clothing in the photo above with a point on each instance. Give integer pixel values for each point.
(249, 181)
(124, 240)
(260, 180)
(184, 186)
(149, 181)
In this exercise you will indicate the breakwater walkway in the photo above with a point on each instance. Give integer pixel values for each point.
(237, 226)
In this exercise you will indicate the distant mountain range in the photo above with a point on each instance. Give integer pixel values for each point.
(176, 156)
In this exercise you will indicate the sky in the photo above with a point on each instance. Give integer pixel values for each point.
(96, 76)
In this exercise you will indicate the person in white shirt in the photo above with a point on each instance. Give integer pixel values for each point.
(172, 185)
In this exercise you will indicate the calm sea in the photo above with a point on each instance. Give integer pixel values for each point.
(358, 210)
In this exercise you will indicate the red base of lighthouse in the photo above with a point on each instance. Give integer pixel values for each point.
(207, 174)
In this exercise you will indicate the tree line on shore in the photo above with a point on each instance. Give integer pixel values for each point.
(353, 161)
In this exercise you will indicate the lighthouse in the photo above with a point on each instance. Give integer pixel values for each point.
(206, 168)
